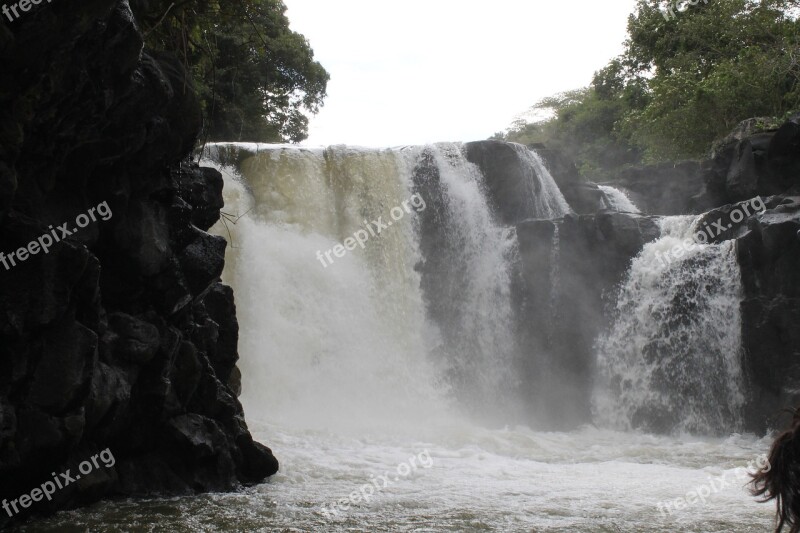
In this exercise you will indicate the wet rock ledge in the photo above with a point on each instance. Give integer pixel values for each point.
(122, 336)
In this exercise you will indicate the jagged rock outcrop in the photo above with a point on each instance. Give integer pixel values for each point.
(769, 256)
(666, 188)
(755, 160)
(121, 336)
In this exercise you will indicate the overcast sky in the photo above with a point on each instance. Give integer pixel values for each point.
(421, 71)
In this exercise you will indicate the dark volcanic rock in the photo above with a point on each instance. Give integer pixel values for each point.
(508, 186)
(563, 169)
(583, 197)
(121, 336)
(510, 181)
(667, 188)
(754, 160)
(769, 256)
(134, 340)
(784, 152)
(202, 190)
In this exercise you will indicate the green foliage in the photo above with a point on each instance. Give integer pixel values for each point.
(256, 78)
(711, 67)
(680, 84)
(584, 122)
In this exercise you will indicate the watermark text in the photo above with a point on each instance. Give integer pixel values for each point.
(60, 481)
(55, 235)
(368, 490)
(373, 228)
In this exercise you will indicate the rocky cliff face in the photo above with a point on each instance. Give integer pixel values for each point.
(769, 255)
(505, 178)
(121, 335)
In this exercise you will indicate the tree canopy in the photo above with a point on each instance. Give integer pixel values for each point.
(681, 83)
(256, 78)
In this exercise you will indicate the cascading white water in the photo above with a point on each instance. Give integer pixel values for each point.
(477, 338)
(321, 346)
(350, 342)
(672, 360)
(546, 199)
(555, 282)
(616, 200)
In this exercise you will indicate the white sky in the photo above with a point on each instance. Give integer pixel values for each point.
(420, 71)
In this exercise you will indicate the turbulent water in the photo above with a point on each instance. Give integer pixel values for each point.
(368, 369)
(512, 480)
(673, 358)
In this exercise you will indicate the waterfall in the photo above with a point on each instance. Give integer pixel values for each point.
(616, 200)
(467, 279)
(673, 359)
(323, 346)
(423, 319)
(545, 198)
(555, 283)
(373, 338)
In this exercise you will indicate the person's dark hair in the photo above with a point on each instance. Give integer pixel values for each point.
(782, 481)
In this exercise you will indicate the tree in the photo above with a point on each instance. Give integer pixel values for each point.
(681, 83)
(584, 122)
(256, 78)
(708, 69)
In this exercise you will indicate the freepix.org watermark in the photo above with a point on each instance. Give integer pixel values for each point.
(373, 228)
(709, 232)
(46, 241)
(700, 493)
(22, 5)
(680, 7)
(366, 492)
(48, 488)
